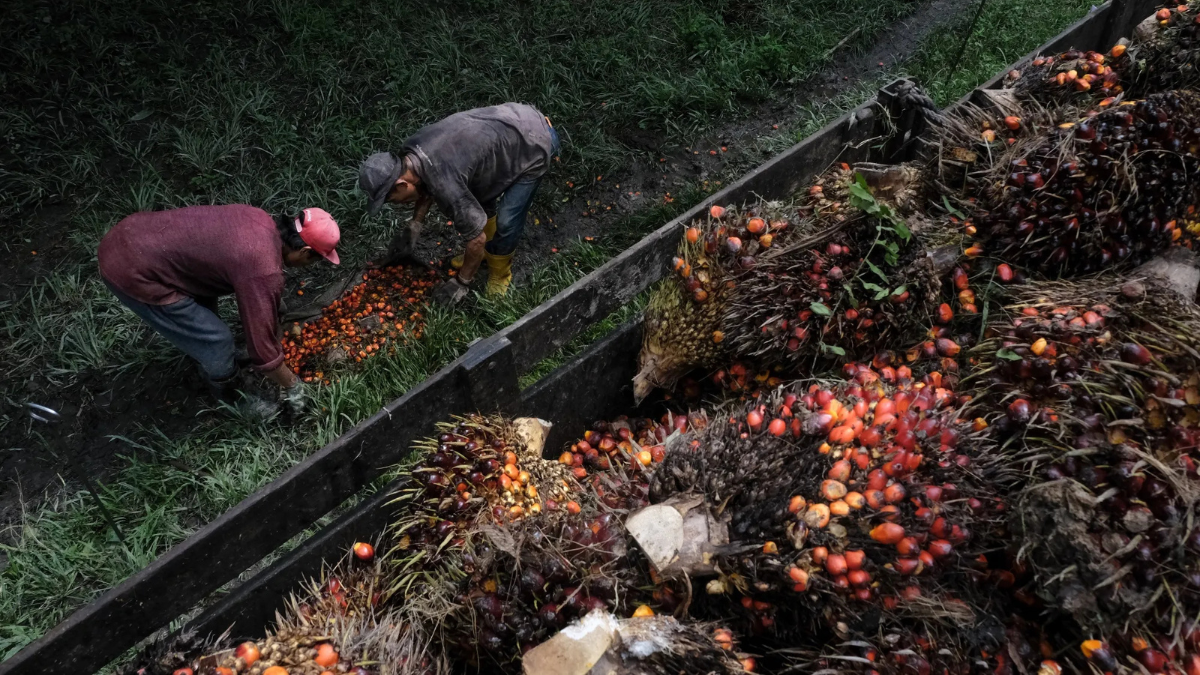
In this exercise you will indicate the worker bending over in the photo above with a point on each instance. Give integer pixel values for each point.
(482, 168)
(170, 267)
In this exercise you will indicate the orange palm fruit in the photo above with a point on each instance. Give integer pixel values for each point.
(327, 656)
(887, 533)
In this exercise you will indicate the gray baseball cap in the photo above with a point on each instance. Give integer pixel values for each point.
(376, 177)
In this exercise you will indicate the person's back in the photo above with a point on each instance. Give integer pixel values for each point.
(161, 257)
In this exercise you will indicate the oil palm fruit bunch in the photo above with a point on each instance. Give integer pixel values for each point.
(1109, 189)
(683, 322)
(1073, 77)
(864, 281)
(836, 497)
(336, 623)
(612, 458)
(1093, 388)
(1166, 52)
(529, 579)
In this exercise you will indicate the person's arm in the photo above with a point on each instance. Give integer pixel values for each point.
(422, 208)
(258, 302)
(472, 258)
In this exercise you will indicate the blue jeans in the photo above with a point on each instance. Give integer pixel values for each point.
(512, 209)
(194, 329)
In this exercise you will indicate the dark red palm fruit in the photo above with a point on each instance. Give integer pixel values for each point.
(1136, 354)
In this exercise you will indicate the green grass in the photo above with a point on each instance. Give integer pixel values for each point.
(129, 105)
(1007, 30)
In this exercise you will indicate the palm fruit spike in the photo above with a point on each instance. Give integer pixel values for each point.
(1111, 188)
(1109, 370)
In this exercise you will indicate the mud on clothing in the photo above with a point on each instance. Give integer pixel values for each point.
(467, 160)
(199, 253)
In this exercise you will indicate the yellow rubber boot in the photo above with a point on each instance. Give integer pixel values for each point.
(499, 273)
(489, 231)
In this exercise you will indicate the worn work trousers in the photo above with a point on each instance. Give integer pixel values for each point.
(193, 328)
(512, 209)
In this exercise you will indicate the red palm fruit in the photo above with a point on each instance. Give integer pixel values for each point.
(819, 555)
(716, 211)
(1136, 354)
(858, 577)
(855, 559)
(1019, 411)
(754, 420)
(908, 546)
(777, 427)
(947, 347)
(960, 279)
(933, 493)
(248, 652)
(877, 480)
(887, 533)
(1005, 273)
(1012, 122)
(364, 551)
(907, 566)
(835, 564)
(870, 437)
(1153, 659)
(926, 558)
(940, 528)
(894, 493)
(874, 499)
(940, 548)
(944, 313)
(326, 655)
(1192, 665)
(833, 490)
(799, 578)
(840, 471)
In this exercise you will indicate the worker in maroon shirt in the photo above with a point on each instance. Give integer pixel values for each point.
(170, 267)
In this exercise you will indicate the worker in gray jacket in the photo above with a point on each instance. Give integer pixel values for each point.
(482, 168)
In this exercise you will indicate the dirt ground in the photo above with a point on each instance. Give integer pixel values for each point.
(99, 408)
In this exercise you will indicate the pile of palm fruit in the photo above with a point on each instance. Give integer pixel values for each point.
(934, 422)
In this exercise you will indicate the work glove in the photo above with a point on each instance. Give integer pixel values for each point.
(451, 293)
(401, 248)
(295, 398)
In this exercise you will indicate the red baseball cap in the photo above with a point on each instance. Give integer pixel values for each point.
(320, 231)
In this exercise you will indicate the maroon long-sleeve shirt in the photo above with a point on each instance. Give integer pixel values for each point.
(161, 257)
